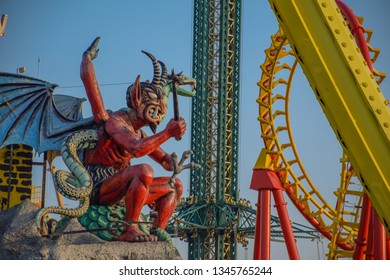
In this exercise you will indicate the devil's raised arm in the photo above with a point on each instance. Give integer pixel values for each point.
(87, 74)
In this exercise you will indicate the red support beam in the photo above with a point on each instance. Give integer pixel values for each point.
(379, 238)
(370, 241)
(257, 245)
(266, 181)
(265, 224)
(285, 223)
(361, 241)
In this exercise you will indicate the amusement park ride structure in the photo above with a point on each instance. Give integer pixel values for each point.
(346, 87)
(214, 218)
(328, 42)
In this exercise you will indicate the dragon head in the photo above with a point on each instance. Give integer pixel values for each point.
(180, 80)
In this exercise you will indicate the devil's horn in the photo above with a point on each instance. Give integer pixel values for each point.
(164, 74)
(156, 69)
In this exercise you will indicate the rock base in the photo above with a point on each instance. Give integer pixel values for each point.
(20, 240)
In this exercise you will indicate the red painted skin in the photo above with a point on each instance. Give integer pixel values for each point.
(123, 140)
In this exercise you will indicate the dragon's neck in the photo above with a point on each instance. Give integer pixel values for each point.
(167, 89)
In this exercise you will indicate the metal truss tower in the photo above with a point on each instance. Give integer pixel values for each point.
(216, 58)
(213, 219)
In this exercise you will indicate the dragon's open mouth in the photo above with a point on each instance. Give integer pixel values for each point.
(185, 91)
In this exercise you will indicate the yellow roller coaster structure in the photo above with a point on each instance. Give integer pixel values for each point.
(315, 35)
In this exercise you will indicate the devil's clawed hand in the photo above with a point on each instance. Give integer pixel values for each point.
(93, 51)
(179, 166)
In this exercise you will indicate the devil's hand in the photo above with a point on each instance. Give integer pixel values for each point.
(93, 51)
(176, 128)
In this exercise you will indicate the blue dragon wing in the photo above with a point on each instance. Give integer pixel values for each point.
(31, 114)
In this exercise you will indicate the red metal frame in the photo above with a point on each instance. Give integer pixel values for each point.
(378, 241)
(361, 242)
(357, 31)
(266, 182)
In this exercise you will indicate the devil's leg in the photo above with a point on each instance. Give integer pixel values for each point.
(132, 183)
(164, 199)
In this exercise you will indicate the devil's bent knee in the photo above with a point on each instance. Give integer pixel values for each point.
(178, 187)
(145, 173)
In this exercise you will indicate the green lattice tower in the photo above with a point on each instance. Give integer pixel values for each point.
(214, 140)
(213, 219)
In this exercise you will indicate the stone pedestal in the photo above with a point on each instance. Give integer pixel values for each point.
(19, 240)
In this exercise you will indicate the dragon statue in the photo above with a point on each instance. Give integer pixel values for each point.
(98, 150)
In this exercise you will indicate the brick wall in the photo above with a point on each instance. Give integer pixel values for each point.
(15, 175)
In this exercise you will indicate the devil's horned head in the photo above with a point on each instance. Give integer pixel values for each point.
(147, 98)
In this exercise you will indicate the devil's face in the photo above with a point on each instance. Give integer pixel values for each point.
(153, 108)
(146, 98)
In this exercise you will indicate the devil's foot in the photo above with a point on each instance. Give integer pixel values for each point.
(134, 234)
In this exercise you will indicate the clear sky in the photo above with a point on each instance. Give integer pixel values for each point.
(48, 38)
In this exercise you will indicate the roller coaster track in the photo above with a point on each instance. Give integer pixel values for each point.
(351, 99)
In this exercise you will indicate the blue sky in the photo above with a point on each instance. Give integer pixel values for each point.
(57, 32)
